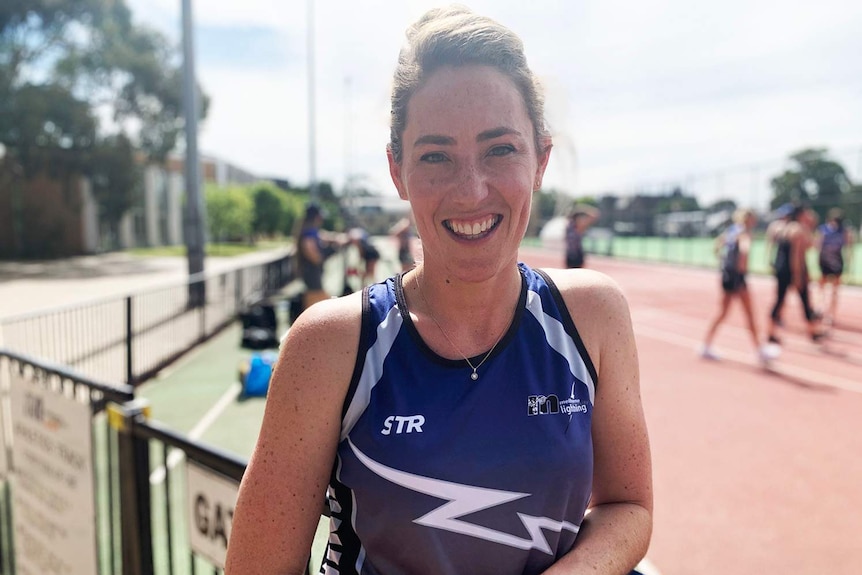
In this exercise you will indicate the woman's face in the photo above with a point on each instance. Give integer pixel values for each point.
(469, 168)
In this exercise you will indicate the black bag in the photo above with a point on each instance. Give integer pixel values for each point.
(294, 307)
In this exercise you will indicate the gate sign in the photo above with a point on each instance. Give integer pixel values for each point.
(211, 499)
(53, 498)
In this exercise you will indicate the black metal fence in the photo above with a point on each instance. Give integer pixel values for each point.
(142, 513)
(130, 338)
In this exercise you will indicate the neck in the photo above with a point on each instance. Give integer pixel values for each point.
(470, 317)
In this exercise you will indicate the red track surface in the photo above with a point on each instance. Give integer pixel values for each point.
(756, 471)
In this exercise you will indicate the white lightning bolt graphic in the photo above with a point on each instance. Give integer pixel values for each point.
(466, 499)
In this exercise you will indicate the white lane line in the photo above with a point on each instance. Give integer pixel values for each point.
(792, 371)
(176, 455)
(647, 568)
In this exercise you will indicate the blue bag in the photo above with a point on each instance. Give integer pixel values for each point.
(256, 380)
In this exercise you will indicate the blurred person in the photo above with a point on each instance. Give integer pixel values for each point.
(733, 247)
(381, 399)
(780, 217)
(833, 239)
(581, 217)
(403, 233)
(793, 241)
(369, 254)
(313, 247)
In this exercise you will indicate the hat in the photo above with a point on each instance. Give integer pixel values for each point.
(312, 210)
(784, 210)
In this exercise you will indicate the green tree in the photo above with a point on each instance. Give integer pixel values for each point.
(230, 213)
(269, 209)
(813, 178)
(66, 64)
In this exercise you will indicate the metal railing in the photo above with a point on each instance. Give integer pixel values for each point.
(141, 511)
(130, 338)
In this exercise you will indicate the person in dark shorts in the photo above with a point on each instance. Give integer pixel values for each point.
(791, 270)
(369, 254)
(833, 239)
(403, 233)
(733, 248)
(581, 217)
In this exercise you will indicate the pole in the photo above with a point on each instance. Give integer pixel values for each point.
(195, 212)
(312, 128)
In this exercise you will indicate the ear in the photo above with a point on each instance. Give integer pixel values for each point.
(395, 174)
(544, 156)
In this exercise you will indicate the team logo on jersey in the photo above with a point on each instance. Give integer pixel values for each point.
(543, 404)
(550, 404)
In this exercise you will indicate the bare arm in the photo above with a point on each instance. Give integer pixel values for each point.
(744, 249)
(615, 534)
(282, 491)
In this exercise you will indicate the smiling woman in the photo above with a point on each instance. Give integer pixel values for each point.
(458, 422)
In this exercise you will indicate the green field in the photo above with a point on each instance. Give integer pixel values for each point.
(697, 252)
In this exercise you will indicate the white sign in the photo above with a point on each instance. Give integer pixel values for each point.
(211, 500)
(5, 369)
(53, 498)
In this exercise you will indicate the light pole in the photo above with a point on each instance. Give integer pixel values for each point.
(195, 211)
(312, 128)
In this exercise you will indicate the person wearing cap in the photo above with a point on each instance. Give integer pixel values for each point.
(581, 217)
(313, 247)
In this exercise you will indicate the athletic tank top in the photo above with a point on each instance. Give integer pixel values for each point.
(832, 244)
(437, 473)
(730, 249)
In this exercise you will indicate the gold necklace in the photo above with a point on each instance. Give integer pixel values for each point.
(475, 375)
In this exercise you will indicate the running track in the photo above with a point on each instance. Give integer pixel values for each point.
(755, 471)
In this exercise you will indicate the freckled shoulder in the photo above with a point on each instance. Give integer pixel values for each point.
(596, 303)
(320, 348)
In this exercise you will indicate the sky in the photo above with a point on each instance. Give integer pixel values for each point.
(710, 96)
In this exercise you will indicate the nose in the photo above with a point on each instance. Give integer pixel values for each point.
(471, 185)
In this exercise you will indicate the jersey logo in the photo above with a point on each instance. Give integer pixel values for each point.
(543, 404)
(463, 500)
(403, 424)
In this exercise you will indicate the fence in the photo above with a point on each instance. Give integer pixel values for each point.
(81, 496)
(131, 338)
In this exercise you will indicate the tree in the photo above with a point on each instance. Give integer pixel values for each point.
(814, 179)
(66, 64)
(230, 213)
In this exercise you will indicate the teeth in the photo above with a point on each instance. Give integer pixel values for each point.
(475, 229)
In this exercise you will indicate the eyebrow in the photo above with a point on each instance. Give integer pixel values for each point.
(440, 140)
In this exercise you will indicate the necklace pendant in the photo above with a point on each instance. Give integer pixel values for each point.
(474, 376)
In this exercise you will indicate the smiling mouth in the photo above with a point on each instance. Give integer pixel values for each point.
(473, 230)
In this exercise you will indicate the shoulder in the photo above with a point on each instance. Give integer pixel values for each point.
(319, 351)
(596, 303)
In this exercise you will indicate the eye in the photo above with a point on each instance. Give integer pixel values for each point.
(432, 158)
(504, 150)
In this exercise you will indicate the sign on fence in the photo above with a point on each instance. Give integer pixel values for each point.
(53, 497)
(211, 500)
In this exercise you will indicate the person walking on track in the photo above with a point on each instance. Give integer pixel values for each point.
(833, 240)
(793, 241)
(733, 248)
(464, 416)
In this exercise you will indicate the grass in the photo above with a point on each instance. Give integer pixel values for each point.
(222, 250)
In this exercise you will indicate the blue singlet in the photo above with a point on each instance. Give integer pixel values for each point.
(437, 473)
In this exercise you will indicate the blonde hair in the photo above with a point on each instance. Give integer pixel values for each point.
(741, 215)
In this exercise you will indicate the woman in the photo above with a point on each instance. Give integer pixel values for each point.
(733, 248)
(580, 219)
(455, 416)
(313, 247)
(793, 241)
(833, 239)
